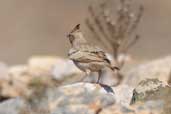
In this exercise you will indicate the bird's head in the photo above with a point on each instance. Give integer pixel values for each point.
(76, 36)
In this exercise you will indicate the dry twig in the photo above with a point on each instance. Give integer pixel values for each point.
(115, 34)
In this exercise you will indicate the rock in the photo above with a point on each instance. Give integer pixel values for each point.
(123, 94)
(3, 71)
(116, 109)
(156, 91)
(12, 106)
(58, 68)
(88, 97)
(43, 71)
(150, 89)
(80, 98)
(159, 69)
(48, 65)
(65, 70)
(3, 79)
(149, 107)
(71, 99)
(63, 66)
(74, 109)
(43, 65)
(159, 104)
(22, 83)
(17, 83)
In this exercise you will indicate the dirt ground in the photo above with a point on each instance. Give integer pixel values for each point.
(39, 27)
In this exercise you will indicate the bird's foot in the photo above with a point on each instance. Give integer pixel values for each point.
(107, 88)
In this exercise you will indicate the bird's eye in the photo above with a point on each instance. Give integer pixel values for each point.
(71, 36)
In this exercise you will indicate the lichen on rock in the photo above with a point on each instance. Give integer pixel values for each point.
(150, 89)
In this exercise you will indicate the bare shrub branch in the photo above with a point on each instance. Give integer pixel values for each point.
(116, 34)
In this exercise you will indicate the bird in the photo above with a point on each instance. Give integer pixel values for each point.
(87, 57)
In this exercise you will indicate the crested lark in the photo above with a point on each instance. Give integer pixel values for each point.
(86, 57)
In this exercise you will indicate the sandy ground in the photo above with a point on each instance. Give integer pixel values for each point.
(39, 27)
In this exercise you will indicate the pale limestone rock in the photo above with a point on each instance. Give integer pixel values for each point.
(159, 69)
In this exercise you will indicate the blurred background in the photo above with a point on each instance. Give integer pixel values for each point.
(35, 77)
(39, 27)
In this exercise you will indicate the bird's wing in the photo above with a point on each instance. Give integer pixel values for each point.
(88, 53)
(96, 52)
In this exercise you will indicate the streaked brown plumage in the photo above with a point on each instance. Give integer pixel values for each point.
(88, 58)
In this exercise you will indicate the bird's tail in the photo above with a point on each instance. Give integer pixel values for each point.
(114, 68)
(118, 75)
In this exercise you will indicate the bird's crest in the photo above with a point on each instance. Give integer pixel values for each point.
(76, 28)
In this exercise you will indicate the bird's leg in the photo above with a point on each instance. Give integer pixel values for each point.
(87, 73)
(99, 76)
